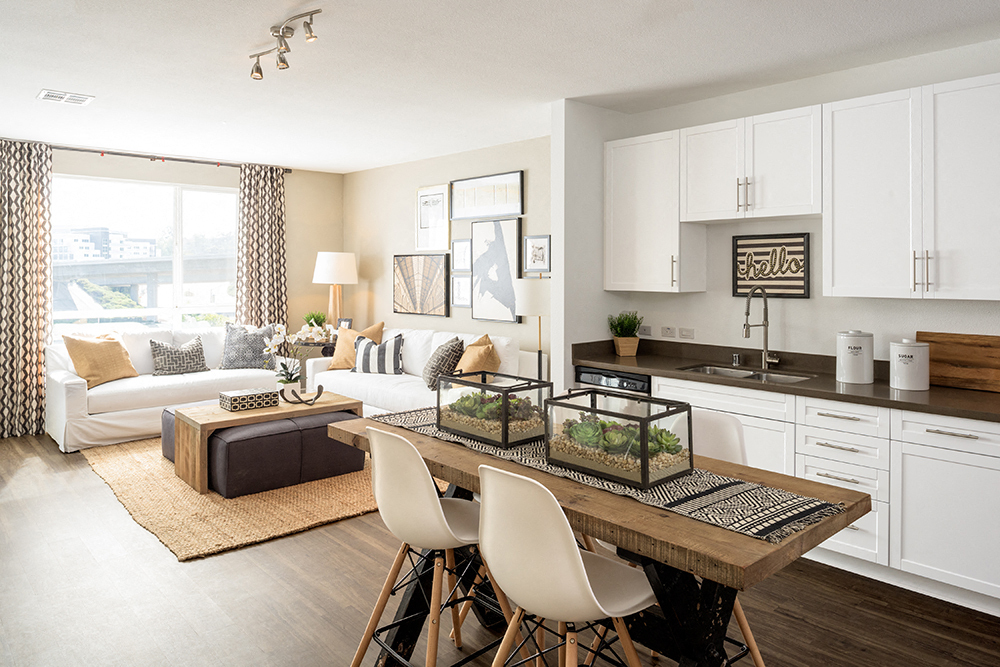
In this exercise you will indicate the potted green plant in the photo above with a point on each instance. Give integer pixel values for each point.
(316, 318)
(625, 329)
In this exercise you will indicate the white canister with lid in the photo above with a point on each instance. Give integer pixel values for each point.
(855, 357)
(910, 365)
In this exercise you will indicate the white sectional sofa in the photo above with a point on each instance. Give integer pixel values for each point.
(130, 408)
(395, 393)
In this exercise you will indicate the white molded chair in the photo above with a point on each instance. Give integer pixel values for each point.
(534, 557)
(409, 505)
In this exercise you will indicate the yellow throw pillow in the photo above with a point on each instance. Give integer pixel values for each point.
(99, 360)
(479, 356)
(343, 353)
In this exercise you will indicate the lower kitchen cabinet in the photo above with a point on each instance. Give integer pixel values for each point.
(867, 538)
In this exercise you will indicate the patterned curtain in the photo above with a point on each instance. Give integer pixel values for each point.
(26, 285)
(261, 296)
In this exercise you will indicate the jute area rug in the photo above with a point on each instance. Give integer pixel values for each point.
(192, 525)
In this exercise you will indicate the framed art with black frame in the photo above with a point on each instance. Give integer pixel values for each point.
(420, 285)
(496, 262)
(777, 262)
(537, 256)
(493, 196)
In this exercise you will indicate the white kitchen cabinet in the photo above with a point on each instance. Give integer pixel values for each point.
(871, 196)
(961, 170)
(646, 248)
(761, 166)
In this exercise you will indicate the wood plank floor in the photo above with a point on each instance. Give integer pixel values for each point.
(82, 584)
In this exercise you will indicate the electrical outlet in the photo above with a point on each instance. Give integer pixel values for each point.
(668, 332)
(645, 330)
(687, 333)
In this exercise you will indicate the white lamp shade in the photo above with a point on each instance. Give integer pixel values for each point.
(336, 268)
(531, 296)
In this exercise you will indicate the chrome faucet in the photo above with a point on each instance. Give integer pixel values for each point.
(765, 357)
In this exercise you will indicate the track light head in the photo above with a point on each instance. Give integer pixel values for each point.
(282, 61)
(257, 73)
(308, 27)
(283, 45)
(282, 33)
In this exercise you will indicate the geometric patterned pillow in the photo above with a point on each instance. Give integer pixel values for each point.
(245, 347)
(172, 360)
(443, 361)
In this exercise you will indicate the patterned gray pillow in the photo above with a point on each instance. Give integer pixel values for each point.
(443, 361)
(245, 347)
(172, 360)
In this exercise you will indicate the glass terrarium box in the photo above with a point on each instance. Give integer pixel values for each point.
(635, 440)
(493, 408)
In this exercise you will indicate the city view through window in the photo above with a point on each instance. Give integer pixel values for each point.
(141, 254)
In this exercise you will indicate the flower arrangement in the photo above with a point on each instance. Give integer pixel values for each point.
(290, 370)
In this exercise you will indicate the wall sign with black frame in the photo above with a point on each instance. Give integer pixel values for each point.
(420, 285)
(777, 262)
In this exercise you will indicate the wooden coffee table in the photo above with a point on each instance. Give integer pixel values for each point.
(193, 426)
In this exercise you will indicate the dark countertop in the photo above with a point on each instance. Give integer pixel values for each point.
(665, 359)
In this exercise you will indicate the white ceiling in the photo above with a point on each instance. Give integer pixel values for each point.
(391, 81)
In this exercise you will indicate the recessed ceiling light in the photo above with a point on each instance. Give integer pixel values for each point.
(60, 97)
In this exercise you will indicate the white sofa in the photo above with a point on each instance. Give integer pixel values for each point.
(395, 393)
(130, 408)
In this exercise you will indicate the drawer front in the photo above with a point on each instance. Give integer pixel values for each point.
(848, 417)
(872, 481)
(867, 538)
(751, 402)
(839, 446)
(963, 435)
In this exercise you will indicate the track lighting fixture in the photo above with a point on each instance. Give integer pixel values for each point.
(282, 33)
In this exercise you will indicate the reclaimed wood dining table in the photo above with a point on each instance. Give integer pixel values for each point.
(695, 568)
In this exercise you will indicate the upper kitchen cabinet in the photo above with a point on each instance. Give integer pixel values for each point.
(961, 173)
(646, 248)
(871, 196)
(758, 167)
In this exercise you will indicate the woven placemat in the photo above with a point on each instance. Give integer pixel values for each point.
(748, 508)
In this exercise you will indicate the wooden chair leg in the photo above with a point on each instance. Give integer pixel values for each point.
(571, 652)
(383, 598)
(434, 620)
(456, 621)
(513, 630)
(505, 607)
(562, 629)
(467, 605)
(626, 641)
(599, 637)
(741, 620)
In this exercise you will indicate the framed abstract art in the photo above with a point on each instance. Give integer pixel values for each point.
(495, 265)
(420, 285)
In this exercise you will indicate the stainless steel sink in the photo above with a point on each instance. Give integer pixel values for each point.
(779, 378)
(719, 370)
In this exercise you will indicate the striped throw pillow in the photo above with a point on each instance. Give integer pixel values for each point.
(386, 359)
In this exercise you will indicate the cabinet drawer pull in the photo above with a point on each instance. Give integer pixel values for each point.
(830, 414)
(839, 479)
(673, 264)
(738, 185)
(852, 527)
(853, 450)
(968, 436)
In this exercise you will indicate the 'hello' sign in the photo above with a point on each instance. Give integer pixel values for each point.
(777, 262)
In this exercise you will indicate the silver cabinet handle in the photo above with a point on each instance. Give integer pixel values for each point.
(830, 414)
(839, 479)
(746, 192)
(914, 271)
(738, 204)
(673, 263)
(968, 436)
(853, 450)
(927, 271)
(852, 527)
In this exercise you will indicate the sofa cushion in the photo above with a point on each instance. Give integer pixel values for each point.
(176, 359)
(212, 341)
(245, 345)
(344, 352)
(479, 356)
(507, 348)
(443, 360)
(416, 348)
(99, 360)
(137, 344)
(149, 391)
(390, 392)
(385, 359)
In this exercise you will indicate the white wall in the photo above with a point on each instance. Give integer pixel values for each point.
(716, 316)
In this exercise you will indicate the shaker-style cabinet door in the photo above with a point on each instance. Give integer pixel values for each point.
(871, 197)
(784, 164)
(961, 176)
(712, 172)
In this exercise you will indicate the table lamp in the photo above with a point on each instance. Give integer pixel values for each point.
(335, 269)
(531, 297)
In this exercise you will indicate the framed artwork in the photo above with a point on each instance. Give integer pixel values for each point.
(461, 291)
(777, 262)
(346, 322)
(536, 254)
(461, 255)
(495, 265)
(488, 196)
(420, 285)
(433, 231)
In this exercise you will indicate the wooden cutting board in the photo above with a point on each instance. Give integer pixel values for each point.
(965, 361)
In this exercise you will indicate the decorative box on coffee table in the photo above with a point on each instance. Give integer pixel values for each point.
(634, 440)
(493, 408)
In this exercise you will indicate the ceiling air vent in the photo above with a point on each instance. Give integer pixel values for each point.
(64, 98)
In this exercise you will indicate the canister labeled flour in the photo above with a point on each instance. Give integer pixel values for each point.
(909, 365)
(855, 357)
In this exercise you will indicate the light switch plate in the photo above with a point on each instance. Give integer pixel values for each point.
(645, 330)
(687, 333)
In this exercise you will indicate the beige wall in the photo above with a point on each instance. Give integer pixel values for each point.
(313, 210)
(379, 214)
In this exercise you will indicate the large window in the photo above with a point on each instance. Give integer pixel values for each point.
(141, 254)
